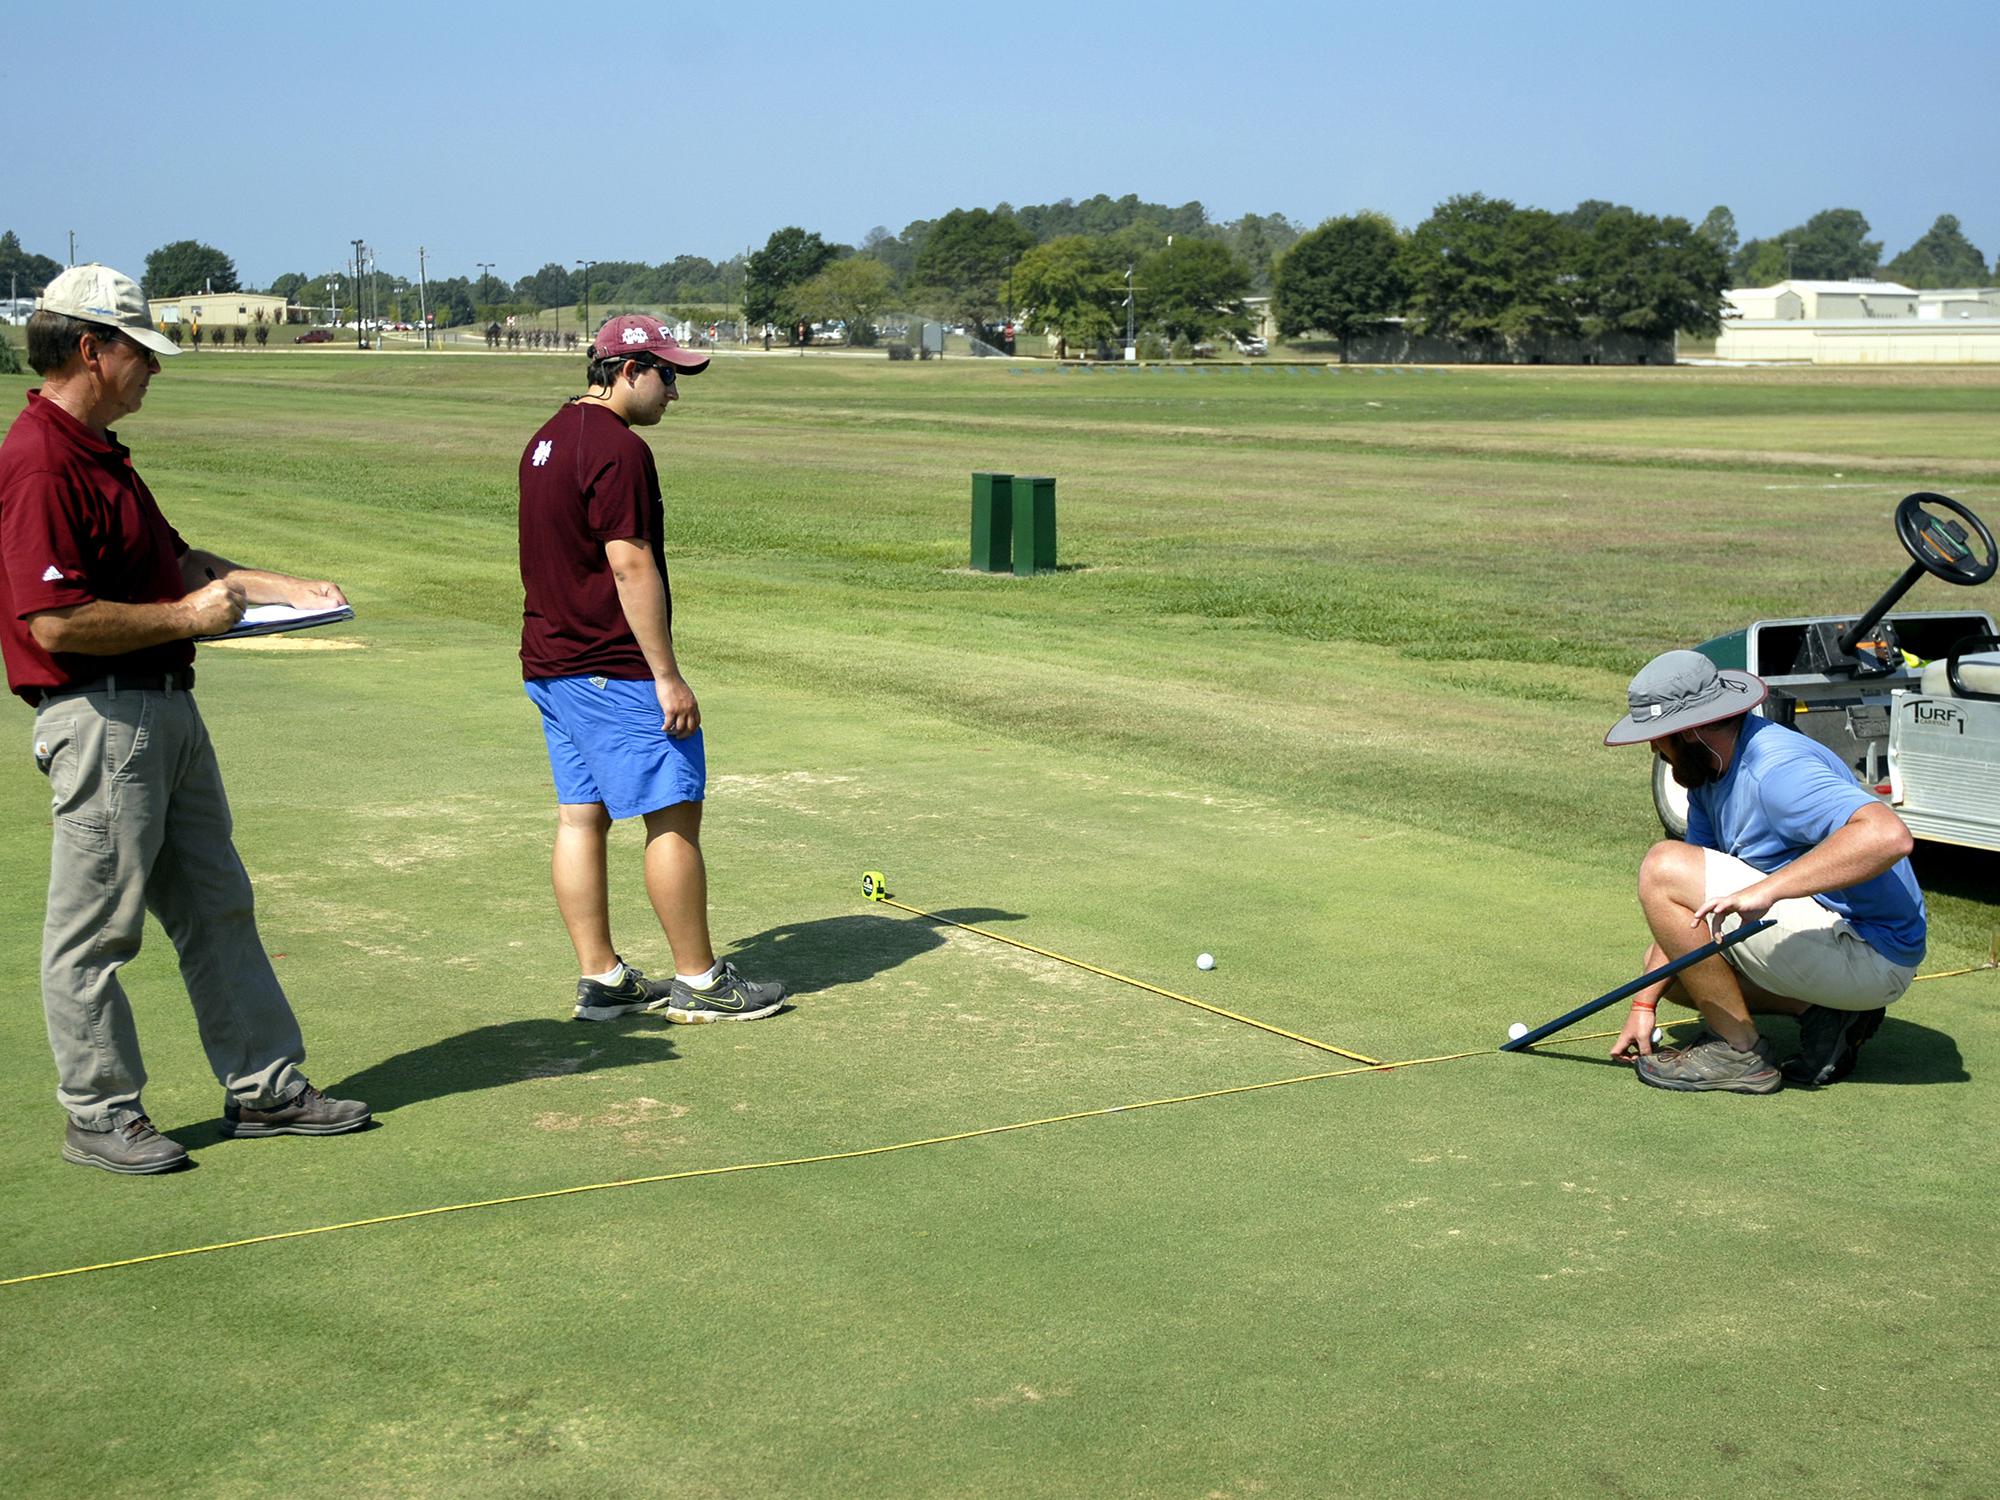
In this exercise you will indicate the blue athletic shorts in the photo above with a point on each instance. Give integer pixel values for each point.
(606, 745)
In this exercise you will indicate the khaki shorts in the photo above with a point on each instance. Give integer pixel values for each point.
(1812, 954)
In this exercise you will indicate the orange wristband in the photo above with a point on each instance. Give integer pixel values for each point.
(1645, 1005)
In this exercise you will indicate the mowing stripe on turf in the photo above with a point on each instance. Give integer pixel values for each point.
(1063, 958)
(806, 1161)
(752, 1166)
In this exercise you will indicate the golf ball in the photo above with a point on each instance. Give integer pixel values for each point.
(1518, 1030)
(1657, 1034)
(1205, 961)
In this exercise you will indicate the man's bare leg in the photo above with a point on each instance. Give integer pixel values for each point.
(1671, 888)
(677, 884)
(582, 892)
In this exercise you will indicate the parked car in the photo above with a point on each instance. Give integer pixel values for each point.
(315, 336)
(1250, 344)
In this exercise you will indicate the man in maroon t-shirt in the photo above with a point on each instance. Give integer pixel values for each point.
(597, 654)
(100, 605)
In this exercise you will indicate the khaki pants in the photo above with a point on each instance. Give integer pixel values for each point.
(141, 823)
(1811, 953)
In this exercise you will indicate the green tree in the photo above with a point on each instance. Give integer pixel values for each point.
(451, 303)
(1649, 278)
(552, 286)
(964, 260)
(1459, 270)
(854, 291)
(1069, 285)
(1258, 240)
(1832, 245)
(188, 266)
(1542, 251)
(1583, 218)
(22, 272)
(896, 251)
(1759, 263)
(1719, 229)
(1193, 287)
(1942, 257)
(1342, 278)
(289, 285)
(789, 257)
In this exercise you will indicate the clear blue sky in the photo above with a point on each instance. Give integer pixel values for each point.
(521, 134)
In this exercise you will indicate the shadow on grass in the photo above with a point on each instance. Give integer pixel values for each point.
(814, 956)
(487, 1057)
(1950, 870)
(1902, 1052)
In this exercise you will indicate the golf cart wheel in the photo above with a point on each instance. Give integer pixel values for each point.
(1940, 546)
(1670, 801)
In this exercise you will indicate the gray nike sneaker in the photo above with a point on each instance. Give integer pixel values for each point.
(607, 1002)
(730, 998)
(1829, 1042)
(1708, 1062)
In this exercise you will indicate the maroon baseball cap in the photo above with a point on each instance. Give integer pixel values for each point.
(631, 334)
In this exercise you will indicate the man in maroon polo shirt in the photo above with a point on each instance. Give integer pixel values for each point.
(100, 605)
(597, 654)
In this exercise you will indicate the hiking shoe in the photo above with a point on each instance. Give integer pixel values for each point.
(607, 1002)
(1708, 1062)
(1829, 1042)
(134, 1148)
(730, 998)
(308, 1112)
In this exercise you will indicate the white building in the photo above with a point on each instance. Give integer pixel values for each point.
(1959, 304)
(1822, 299)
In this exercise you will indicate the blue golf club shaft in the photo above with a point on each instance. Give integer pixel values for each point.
(1692, 956)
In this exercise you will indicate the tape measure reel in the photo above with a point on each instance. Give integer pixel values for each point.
(874, 885)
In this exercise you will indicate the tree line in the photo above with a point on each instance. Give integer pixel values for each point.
(1479, 270)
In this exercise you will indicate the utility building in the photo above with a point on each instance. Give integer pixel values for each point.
(1822, 299)
(225, 308)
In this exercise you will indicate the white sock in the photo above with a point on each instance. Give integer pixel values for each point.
(614, 975)
(702, 981)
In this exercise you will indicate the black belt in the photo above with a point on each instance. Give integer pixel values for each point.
(179, 680)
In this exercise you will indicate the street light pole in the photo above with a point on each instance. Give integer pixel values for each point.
(586, 264)
(357, 297)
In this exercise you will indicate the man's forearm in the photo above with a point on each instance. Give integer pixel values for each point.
(644, 599)
(105, 628)
(1867, 845)
(259, 585)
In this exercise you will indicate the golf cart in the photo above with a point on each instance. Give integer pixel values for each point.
(1910, 701)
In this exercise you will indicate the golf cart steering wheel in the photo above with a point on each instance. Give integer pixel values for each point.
(1941, 546)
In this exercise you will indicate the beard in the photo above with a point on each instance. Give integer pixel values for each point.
(1692, 764)
(1691, 777)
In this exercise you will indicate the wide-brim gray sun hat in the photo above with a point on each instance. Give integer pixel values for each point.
(1679, 690)
(98, 294)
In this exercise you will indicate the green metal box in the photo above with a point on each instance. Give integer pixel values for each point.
(992, 523)
(1034, 524)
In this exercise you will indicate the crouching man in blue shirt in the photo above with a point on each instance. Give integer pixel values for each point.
(1777, 827)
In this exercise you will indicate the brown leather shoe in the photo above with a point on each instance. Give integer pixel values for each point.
(308, 1112)
(134, 1148)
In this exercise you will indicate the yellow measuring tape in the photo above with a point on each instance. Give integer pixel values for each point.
(754, 1166)
(1368, 1065)
(1154, 989)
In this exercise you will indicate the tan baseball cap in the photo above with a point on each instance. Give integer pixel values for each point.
(98, 294)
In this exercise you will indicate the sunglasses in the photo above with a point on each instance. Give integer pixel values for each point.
(665, 372)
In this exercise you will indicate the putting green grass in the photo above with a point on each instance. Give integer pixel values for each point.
(1319, 690)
